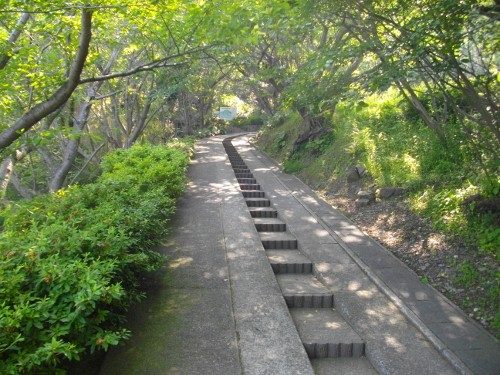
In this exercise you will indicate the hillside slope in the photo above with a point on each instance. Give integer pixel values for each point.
(428, 222)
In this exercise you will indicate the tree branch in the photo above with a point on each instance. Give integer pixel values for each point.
(38, 112)
(160, 63)
(13, 38)
(143, 68)
(87, 163)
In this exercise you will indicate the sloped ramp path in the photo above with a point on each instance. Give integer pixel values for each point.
(266, 278)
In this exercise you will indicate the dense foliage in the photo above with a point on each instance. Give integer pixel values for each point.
(143, 75)
(71, 261)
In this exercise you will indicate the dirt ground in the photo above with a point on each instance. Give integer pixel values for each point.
(436, 258)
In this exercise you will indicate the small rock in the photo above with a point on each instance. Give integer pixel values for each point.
(385, 192)
(398, 191)
(366, 194)
(361, 170)
(353, 175)
(388, 192)
(353, 189)
(424, 266)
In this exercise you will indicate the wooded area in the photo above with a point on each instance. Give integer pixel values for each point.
(413, 84)
(78, 80)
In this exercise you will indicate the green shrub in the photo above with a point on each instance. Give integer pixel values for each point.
(71, 261)
(468, 275)
(293, 166)
(256, 118)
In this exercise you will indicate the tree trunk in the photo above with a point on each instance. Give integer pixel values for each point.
(6, 169)
(408, 92)
(14, 35)
(71, 149)
(315, 127)
(41, 110)
(22, 190)
(140, 125)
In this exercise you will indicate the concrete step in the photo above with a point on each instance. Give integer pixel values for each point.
(304, 290)
(258, 202)
(238, 165)
(325, 334)
(278, 240)
(241, 170)
(249, 186)
(253, 193)
(262, 212)
(343, 366)
(247, 180)
(243, 175)
(269, 225)
(288, 261)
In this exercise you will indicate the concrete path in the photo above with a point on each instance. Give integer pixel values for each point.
(218, 307)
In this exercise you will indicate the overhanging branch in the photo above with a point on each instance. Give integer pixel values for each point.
(152, 65)
(139, 69)
(58, 98)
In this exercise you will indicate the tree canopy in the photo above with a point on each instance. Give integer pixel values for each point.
(79, 78)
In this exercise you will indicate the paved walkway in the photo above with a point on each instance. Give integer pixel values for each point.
(216, 308)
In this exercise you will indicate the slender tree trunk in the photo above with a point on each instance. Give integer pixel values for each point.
(408, 92)
(140, 125)
(6, 169)
(21, 189)
(14, 35)
(71, 149)
(488, 110)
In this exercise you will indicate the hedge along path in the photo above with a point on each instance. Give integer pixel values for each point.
(72, 261)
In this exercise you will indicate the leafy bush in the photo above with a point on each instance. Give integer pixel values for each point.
(71, 261)
(293, 166)
(445, 207)
(255, 118)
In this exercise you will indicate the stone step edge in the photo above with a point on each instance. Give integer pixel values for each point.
(270, 227)
(283, 268)
(325, 300)
(334, 350)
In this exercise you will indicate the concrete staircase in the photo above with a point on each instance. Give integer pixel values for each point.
(329, 341)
